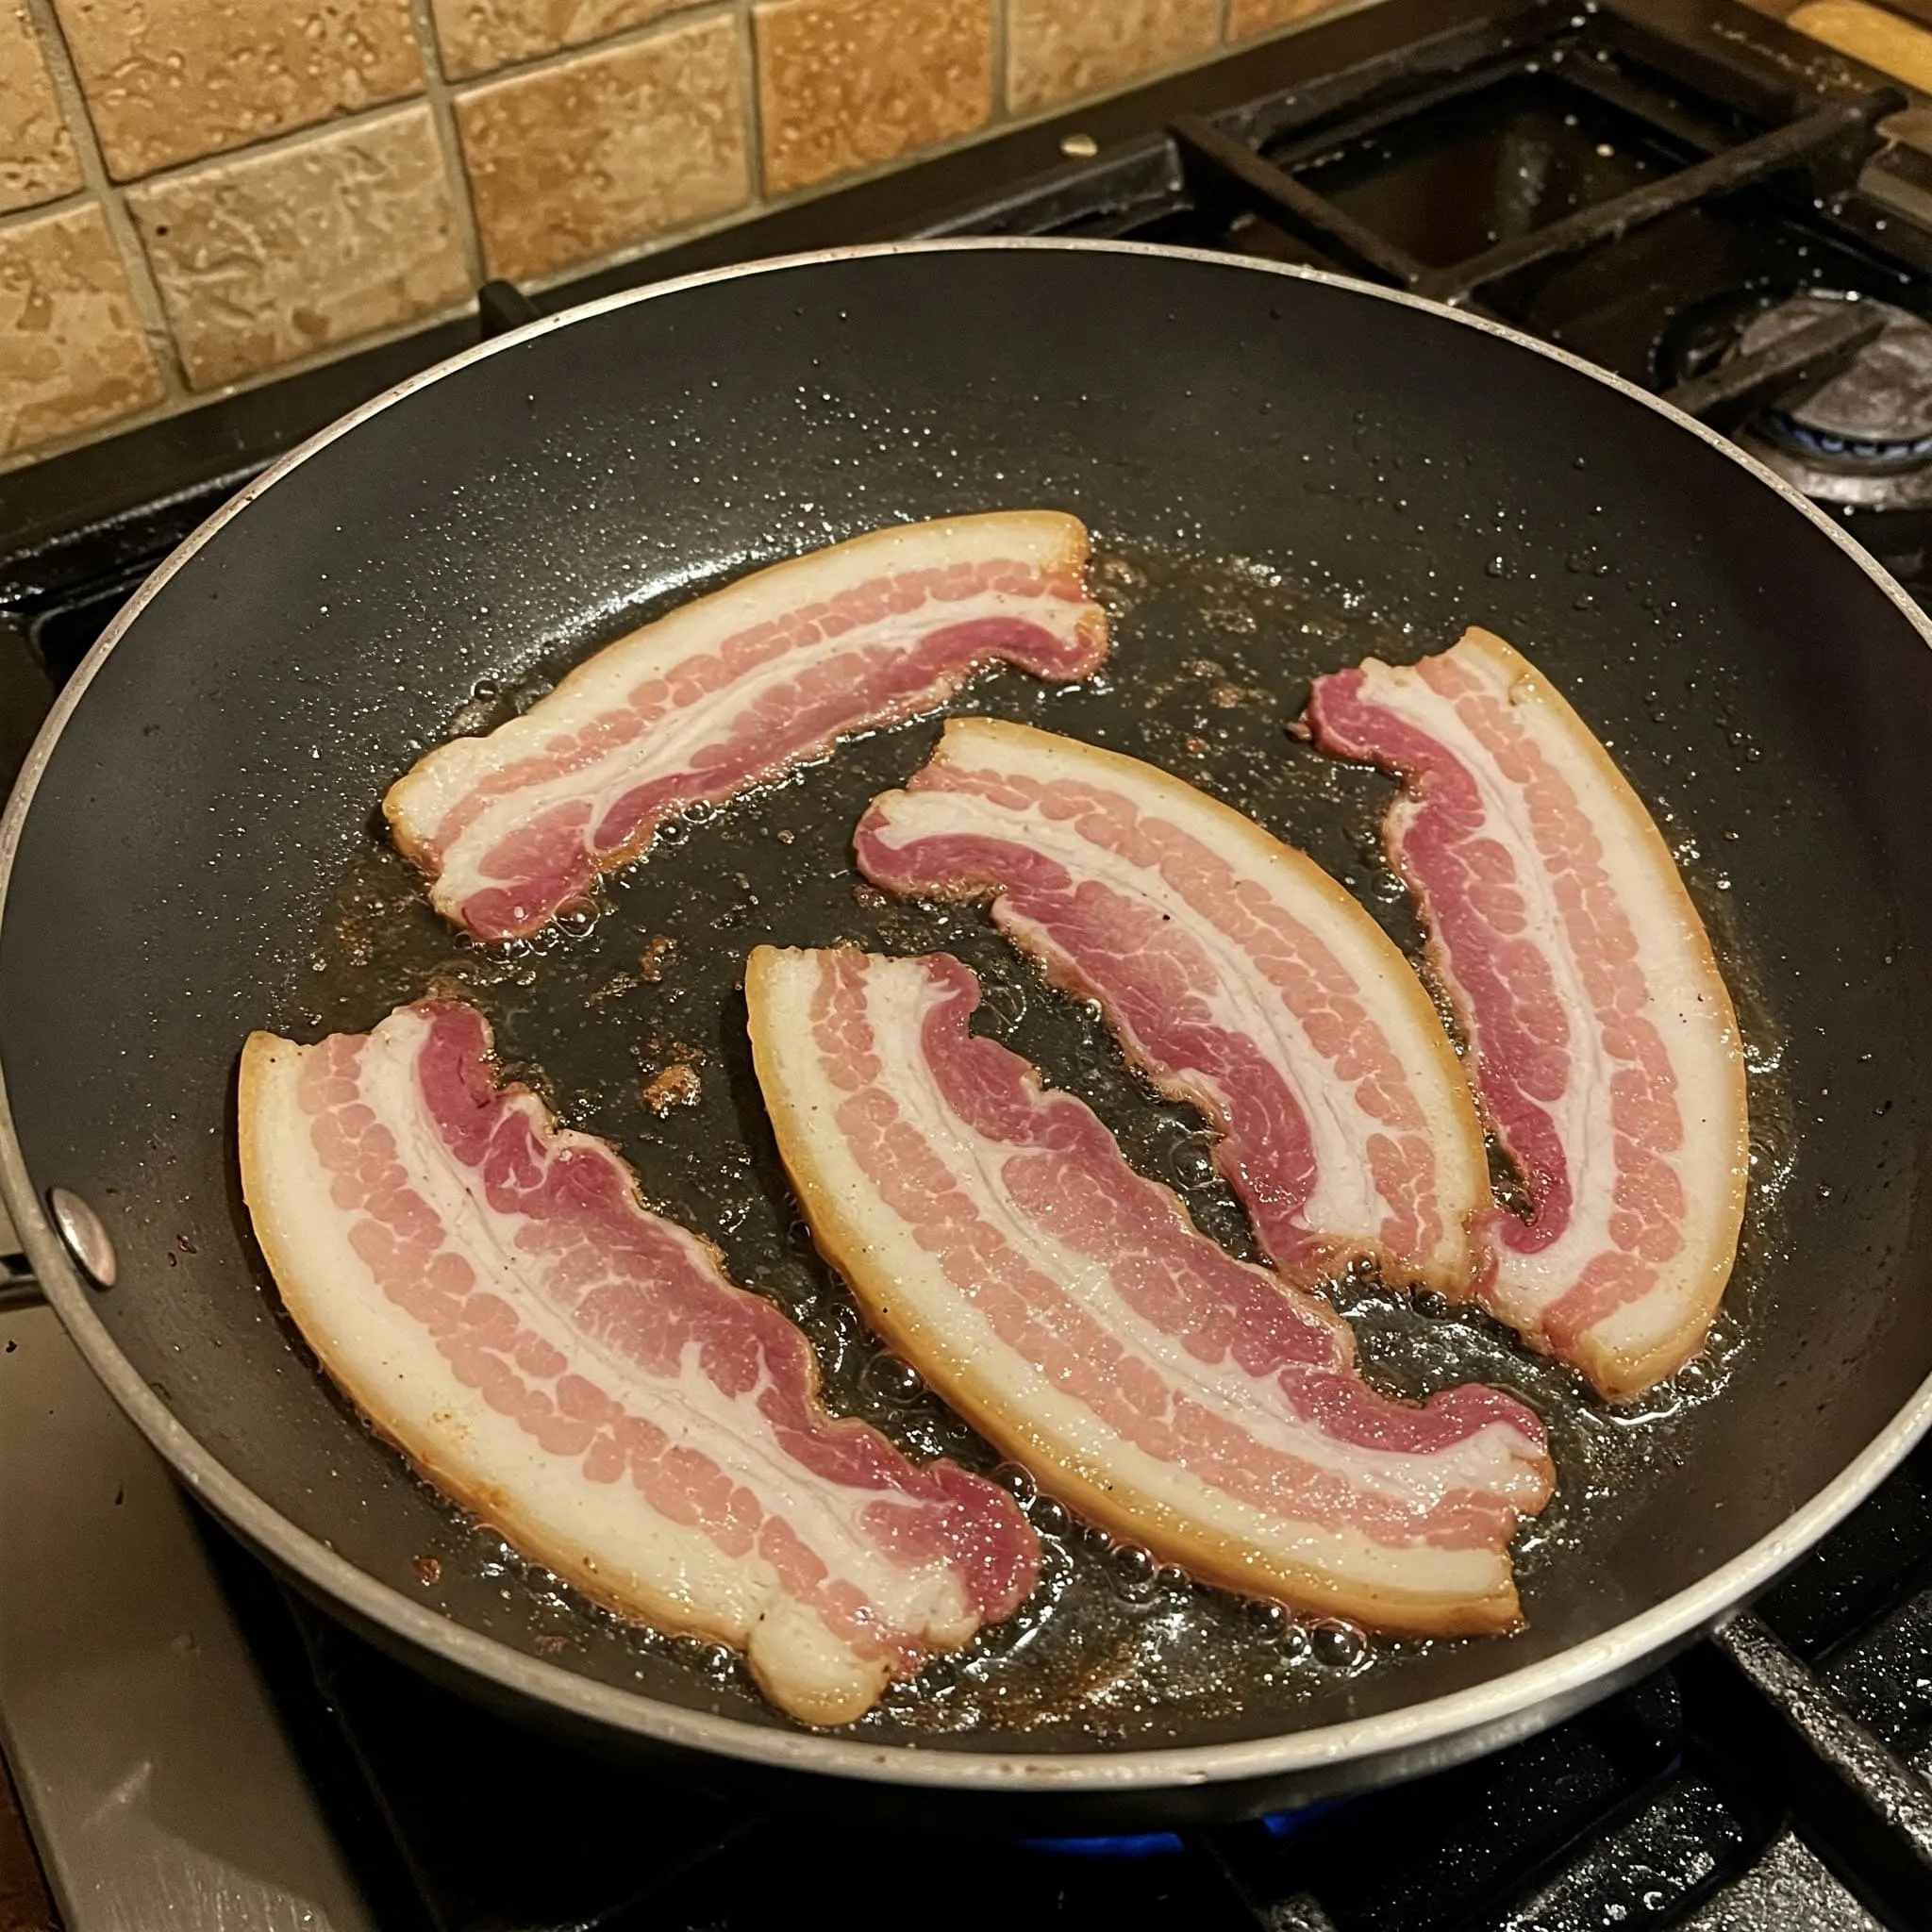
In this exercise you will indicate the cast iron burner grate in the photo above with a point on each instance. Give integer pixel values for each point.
(1615, 178)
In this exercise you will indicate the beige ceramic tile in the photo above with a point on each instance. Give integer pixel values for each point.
(1245, 17)
(1058, 50)
(269, 257)
(167, 80)
(477, 35)
(35, 157)
(845, 83)
(604, 151)
(71, 353)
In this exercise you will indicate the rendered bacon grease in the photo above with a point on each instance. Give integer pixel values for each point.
(1237, 973)
(731, 691)
(492, 1294)
(1605, 1049)
(1073, 1313)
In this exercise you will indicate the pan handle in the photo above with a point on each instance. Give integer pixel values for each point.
(501, 306)
(18, 1288)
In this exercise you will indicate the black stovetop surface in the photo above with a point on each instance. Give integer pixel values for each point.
(1724, 1791)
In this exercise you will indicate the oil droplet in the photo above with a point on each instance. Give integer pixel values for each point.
(1190, 1162)
(1336, 1646)
(1017, 1482)
(1135, 1573)
(888, 1379)
(901, 1699)
(1005, 1002)
(1049, 1518)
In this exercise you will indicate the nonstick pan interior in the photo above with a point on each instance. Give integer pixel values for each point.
(1281, 475)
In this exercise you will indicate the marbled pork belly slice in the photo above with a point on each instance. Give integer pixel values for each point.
(731, 691)
(1605, 1047)
(1071, 1310)
(492, 1294)
(1237, 976)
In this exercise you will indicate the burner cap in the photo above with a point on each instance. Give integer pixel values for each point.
(1863, 440)
(1878, 412)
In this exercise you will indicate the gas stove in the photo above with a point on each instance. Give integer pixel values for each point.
(1686, 192)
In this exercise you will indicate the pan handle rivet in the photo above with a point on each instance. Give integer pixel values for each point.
(87, 1240)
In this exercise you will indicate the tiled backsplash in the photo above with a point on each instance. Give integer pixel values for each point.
(195, 194)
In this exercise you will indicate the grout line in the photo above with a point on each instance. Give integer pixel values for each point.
(1002, 54)
(687, 14)
(753, 107)
(56, 205)
(149, 309)
(456, 171)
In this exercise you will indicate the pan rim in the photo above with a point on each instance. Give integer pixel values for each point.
(1427, 1735)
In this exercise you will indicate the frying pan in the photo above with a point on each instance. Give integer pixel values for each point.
(1283, 471)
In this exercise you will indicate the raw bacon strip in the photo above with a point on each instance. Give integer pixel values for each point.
(492, 1294)
(1238, 975)
(731, 691)
(1072, 1310)
(1606, 1050)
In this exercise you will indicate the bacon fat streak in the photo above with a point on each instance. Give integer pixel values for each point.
(1604, 1046)
(731, 691)
(1071, 1310)
(576, 1369)
(1238, 975)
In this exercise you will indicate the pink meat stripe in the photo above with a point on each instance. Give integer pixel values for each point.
(733, 690)
(1237, 976)
(1605, 1045)
(492, 1294)
(1071, 1310)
